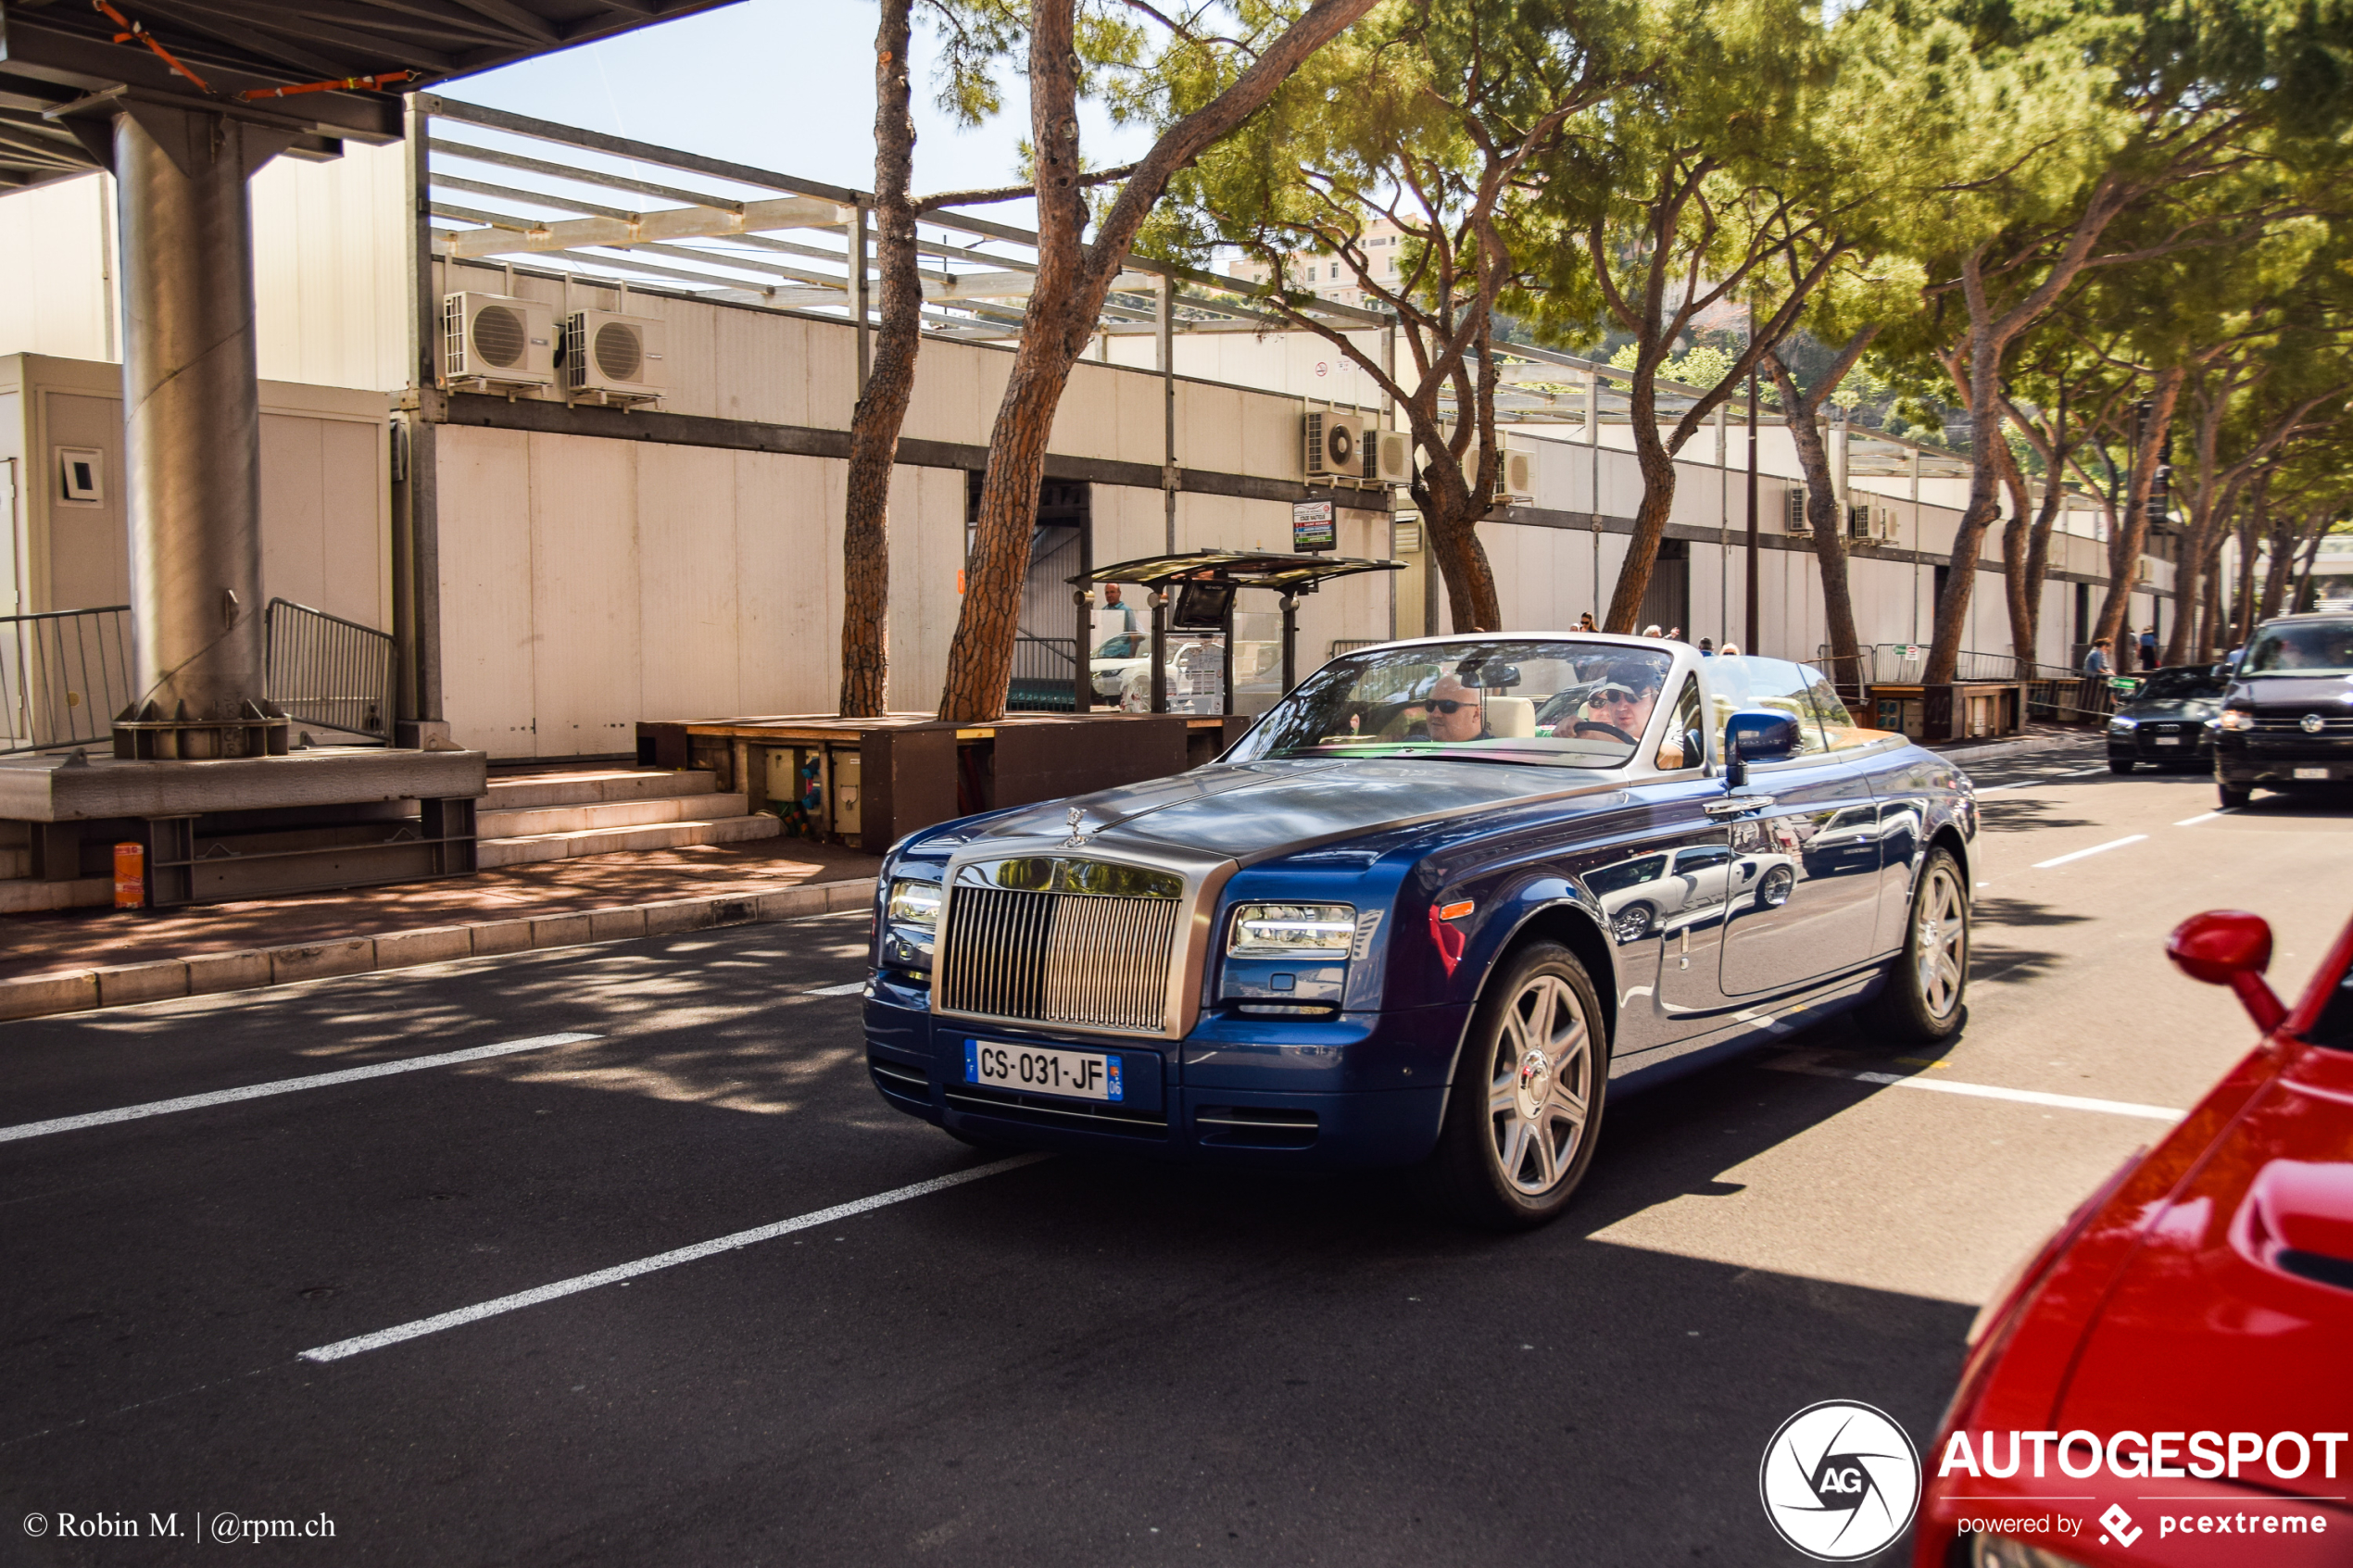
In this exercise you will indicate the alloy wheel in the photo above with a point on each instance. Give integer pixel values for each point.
(1940, 947)
(1540, 1085)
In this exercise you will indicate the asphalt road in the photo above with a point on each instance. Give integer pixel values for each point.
(1057, 1364)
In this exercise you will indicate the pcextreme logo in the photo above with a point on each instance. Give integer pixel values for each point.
(1839, 1480)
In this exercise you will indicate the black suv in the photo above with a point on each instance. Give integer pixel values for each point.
(2169, 719)
(2288, 720)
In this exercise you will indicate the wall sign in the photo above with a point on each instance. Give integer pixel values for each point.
(1313, 527)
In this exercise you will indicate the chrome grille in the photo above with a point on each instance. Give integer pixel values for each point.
(1086, 960)
(2295, 726)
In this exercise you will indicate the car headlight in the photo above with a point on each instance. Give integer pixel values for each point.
(1284, 931)
(2122, 725)
(2233, 719)
(913, 903)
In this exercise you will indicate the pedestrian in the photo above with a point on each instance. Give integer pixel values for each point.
(1707, 648)
(1585, 622)
(1730, 650)
(1674, 633)
(1651, 631)
(2096, 661)
(2148, 647)
(1115, 618)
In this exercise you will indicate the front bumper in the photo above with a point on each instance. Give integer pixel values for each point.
(2188, 743)
(1352, 1090)
(2243, 759)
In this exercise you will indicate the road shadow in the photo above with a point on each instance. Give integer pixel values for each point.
(2025, 814)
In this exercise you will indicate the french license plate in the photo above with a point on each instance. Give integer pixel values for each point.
(2166, 740)
(2311, 772)
(1039, 1069)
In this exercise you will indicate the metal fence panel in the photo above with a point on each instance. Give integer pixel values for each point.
(329, 674)
(64, 675)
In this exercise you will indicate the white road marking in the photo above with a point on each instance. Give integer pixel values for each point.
(2095, 849)
(621, 1274)
(2079, 772)
(2201, 817)
(284, 1086)
(853, 989)
(1810, 1062)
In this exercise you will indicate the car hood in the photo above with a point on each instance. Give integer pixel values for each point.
(1249, 809)
(2219, 1293)
(2174, 708)
(2300, 693)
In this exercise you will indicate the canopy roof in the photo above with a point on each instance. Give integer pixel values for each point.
(63, 75)
(1242, 569)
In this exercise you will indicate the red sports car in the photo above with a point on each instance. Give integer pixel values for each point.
(2169, 1380)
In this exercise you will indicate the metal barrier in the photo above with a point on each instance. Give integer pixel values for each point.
(1349, 645)
(64, 675)
(2053, 692)
(328, 672)
(1044, 670)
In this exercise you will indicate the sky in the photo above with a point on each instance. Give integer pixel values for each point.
(786, 85)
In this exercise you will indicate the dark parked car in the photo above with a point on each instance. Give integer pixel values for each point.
(1391, 925)
(2170, 718)
(2287, 723)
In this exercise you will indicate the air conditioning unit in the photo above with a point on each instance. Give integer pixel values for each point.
(494, 341)
(610, 357)
(1886, 525)
(1859, 520)
(1334, 449)
(1515, 481)
(1794, 521)
(1393, 457)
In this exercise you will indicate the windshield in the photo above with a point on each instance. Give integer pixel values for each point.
(2179, 685)
(1562, 702)
(1125, 645)
(2309, 647)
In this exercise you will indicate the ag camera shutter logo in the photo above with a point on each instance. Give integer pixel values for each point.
(1840, 1481)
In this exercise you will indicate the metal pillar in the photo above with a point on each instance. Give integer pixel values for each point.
(1748, 642)
(1291, 642)
(192, 418)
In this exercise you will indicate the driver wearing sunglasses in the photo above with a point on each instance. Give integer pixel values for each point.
(1622, 703)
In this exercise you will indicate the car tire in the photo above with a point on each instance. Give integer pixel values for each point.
(2119, 764)
(1925, 998)
(1634, 923)
(1524, 1111)
(1773, 888)
(2234, 796)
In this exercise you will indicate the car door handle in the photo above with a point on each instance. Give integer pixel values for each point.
(1737, 805)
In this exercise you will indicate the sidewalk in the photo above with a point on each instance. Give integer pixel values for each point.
(541, 905)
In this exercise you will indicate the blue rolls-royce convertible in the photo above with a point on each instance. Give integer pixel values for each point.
(1434, 909)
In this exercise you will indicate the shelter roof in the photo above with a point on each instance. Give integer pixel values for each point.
(1243, 569)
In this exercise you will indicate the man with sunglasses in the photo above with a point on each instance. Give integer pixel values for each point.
(1622, 705)
(1456, 712)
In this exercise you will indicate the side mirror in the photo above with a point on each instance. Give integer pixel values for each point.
(2230, 947)
(1756, 735)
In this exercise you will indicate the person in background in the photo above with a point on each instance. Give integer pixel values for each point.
(1585, 622)
(1730, 650)
(2096, 661)
(1652, 631)
(1707, 648)
(1674, 633)
(2148, 647)
(1114, 617)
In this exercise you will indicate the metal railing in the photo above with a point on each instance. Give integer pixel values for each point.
(2053, 692)
(329, 673)
(64, 675)
(1044, 670)
(1349, 645)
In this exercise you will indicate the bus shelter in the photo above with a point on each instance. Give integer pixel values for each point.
(1196, 592)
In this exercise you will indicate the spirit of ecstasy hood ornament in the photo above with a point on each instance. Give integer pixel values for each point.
(1077, 840)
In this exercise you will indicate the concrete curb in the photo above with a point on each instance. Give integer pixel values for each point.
(1964, 755)
(81, 990)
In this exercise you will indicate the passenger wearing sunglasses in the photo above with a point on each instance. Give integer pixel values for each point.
(1456, 712)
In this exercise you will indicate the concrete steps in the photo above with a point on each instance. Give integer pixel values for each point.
(557, 816)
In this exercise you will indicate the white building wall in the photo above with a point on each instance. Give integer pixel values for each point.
(56, 271)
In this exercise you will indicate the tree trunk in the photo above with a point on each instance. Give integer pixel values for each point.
(2038, 561)
(1821, 515)
(2278, 562)
(1072, 280)
(2017, 535)
(1985, 433)
(890, 383)
(2126, 544)
(1657, 465)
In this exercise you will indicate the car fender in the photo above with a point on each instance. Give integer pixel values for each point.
(1504, 917)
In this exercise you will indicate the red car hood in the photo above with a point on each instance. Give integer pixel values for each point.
(2225, 1317)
